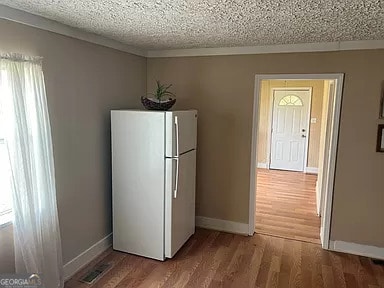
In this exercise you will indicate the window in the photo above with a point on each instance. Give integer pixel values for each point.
(291, 100)
(5, 175)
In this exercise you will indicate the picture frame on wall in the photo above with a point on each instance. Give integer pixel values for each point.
(380, 138)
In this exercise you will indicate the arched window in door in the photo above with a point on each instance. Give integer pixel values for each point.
(291, 100)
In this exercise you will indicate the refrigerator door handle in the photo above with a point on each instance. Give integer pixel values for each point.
(176, 178)
(177, 136)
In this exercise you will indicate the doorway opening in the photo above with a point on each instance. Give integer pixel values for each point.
(294, 144)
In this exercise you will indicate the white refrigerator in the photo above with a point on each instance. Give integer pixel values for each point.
(153, 181)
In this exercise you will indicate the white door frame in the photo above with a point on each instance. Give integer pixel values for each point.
(270, 122)
(339, 79)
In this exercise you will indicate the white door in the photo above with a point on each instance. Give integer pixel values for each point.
(290, 122)
(179, 201)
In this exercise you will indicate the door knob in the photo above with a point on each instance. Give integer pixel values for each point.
(303, 136)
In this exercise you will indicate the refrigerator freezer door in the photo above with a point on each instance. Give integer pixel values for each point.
(180, 131)
(180, 204)
(138, 182)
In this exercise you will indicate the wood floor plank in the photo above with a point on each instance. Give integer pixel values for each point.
(307, 263)
(120, 271)
(265, 264)
(236, 266)
(350, 280)
(221, 272)
(337, 269)
(328, 278)
(207, 264)
(365, 274)
(379, 273)
(316, 273)
(295, 278)
(137, 275)
(216, 259)
(274, 270)
(169, 271)
(287, 259)
(286, 205)
(258, 245)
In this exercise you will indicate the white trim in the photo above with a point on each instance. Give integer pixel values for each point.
(36, 21)
(327, 209)
(311, 170)
(254, 150)
(326, 76)
(222, 225)
(286, 48)
(308, 130)
(321, 236)
(339, 78)
(270, 122)
(357, 249)
(262, 165)
(87, 256)
(318, 207)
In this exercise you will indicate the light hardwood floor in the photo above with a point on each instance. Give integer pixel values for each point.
(286, 205)
(217, 259)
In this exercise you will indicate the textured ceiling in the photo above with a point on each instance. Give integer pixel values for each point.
(171, 24)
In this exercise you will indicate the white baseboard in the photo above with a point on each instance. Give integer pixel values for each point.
(357, 249)
(222, 225)
(262, 165)
(311, 170)
(87, 256)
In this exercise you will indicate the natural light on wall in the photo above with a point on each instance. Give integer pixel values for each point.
(5, 185)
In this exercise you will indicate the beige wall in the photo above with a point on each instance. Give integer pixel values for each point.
(222, 88)
(84, 82)
(265, 115)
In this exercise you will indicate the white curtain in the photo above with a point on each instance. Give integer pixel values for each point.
(28, 137)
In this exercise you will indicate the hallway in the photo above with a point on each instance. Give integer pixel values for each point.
(286, 205)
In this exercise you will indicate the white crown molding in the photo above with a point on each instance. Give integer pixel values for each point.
(287, 48)
(29, 19)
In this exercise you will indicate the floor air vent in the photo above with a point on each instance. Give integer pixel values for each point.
(96, 273)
